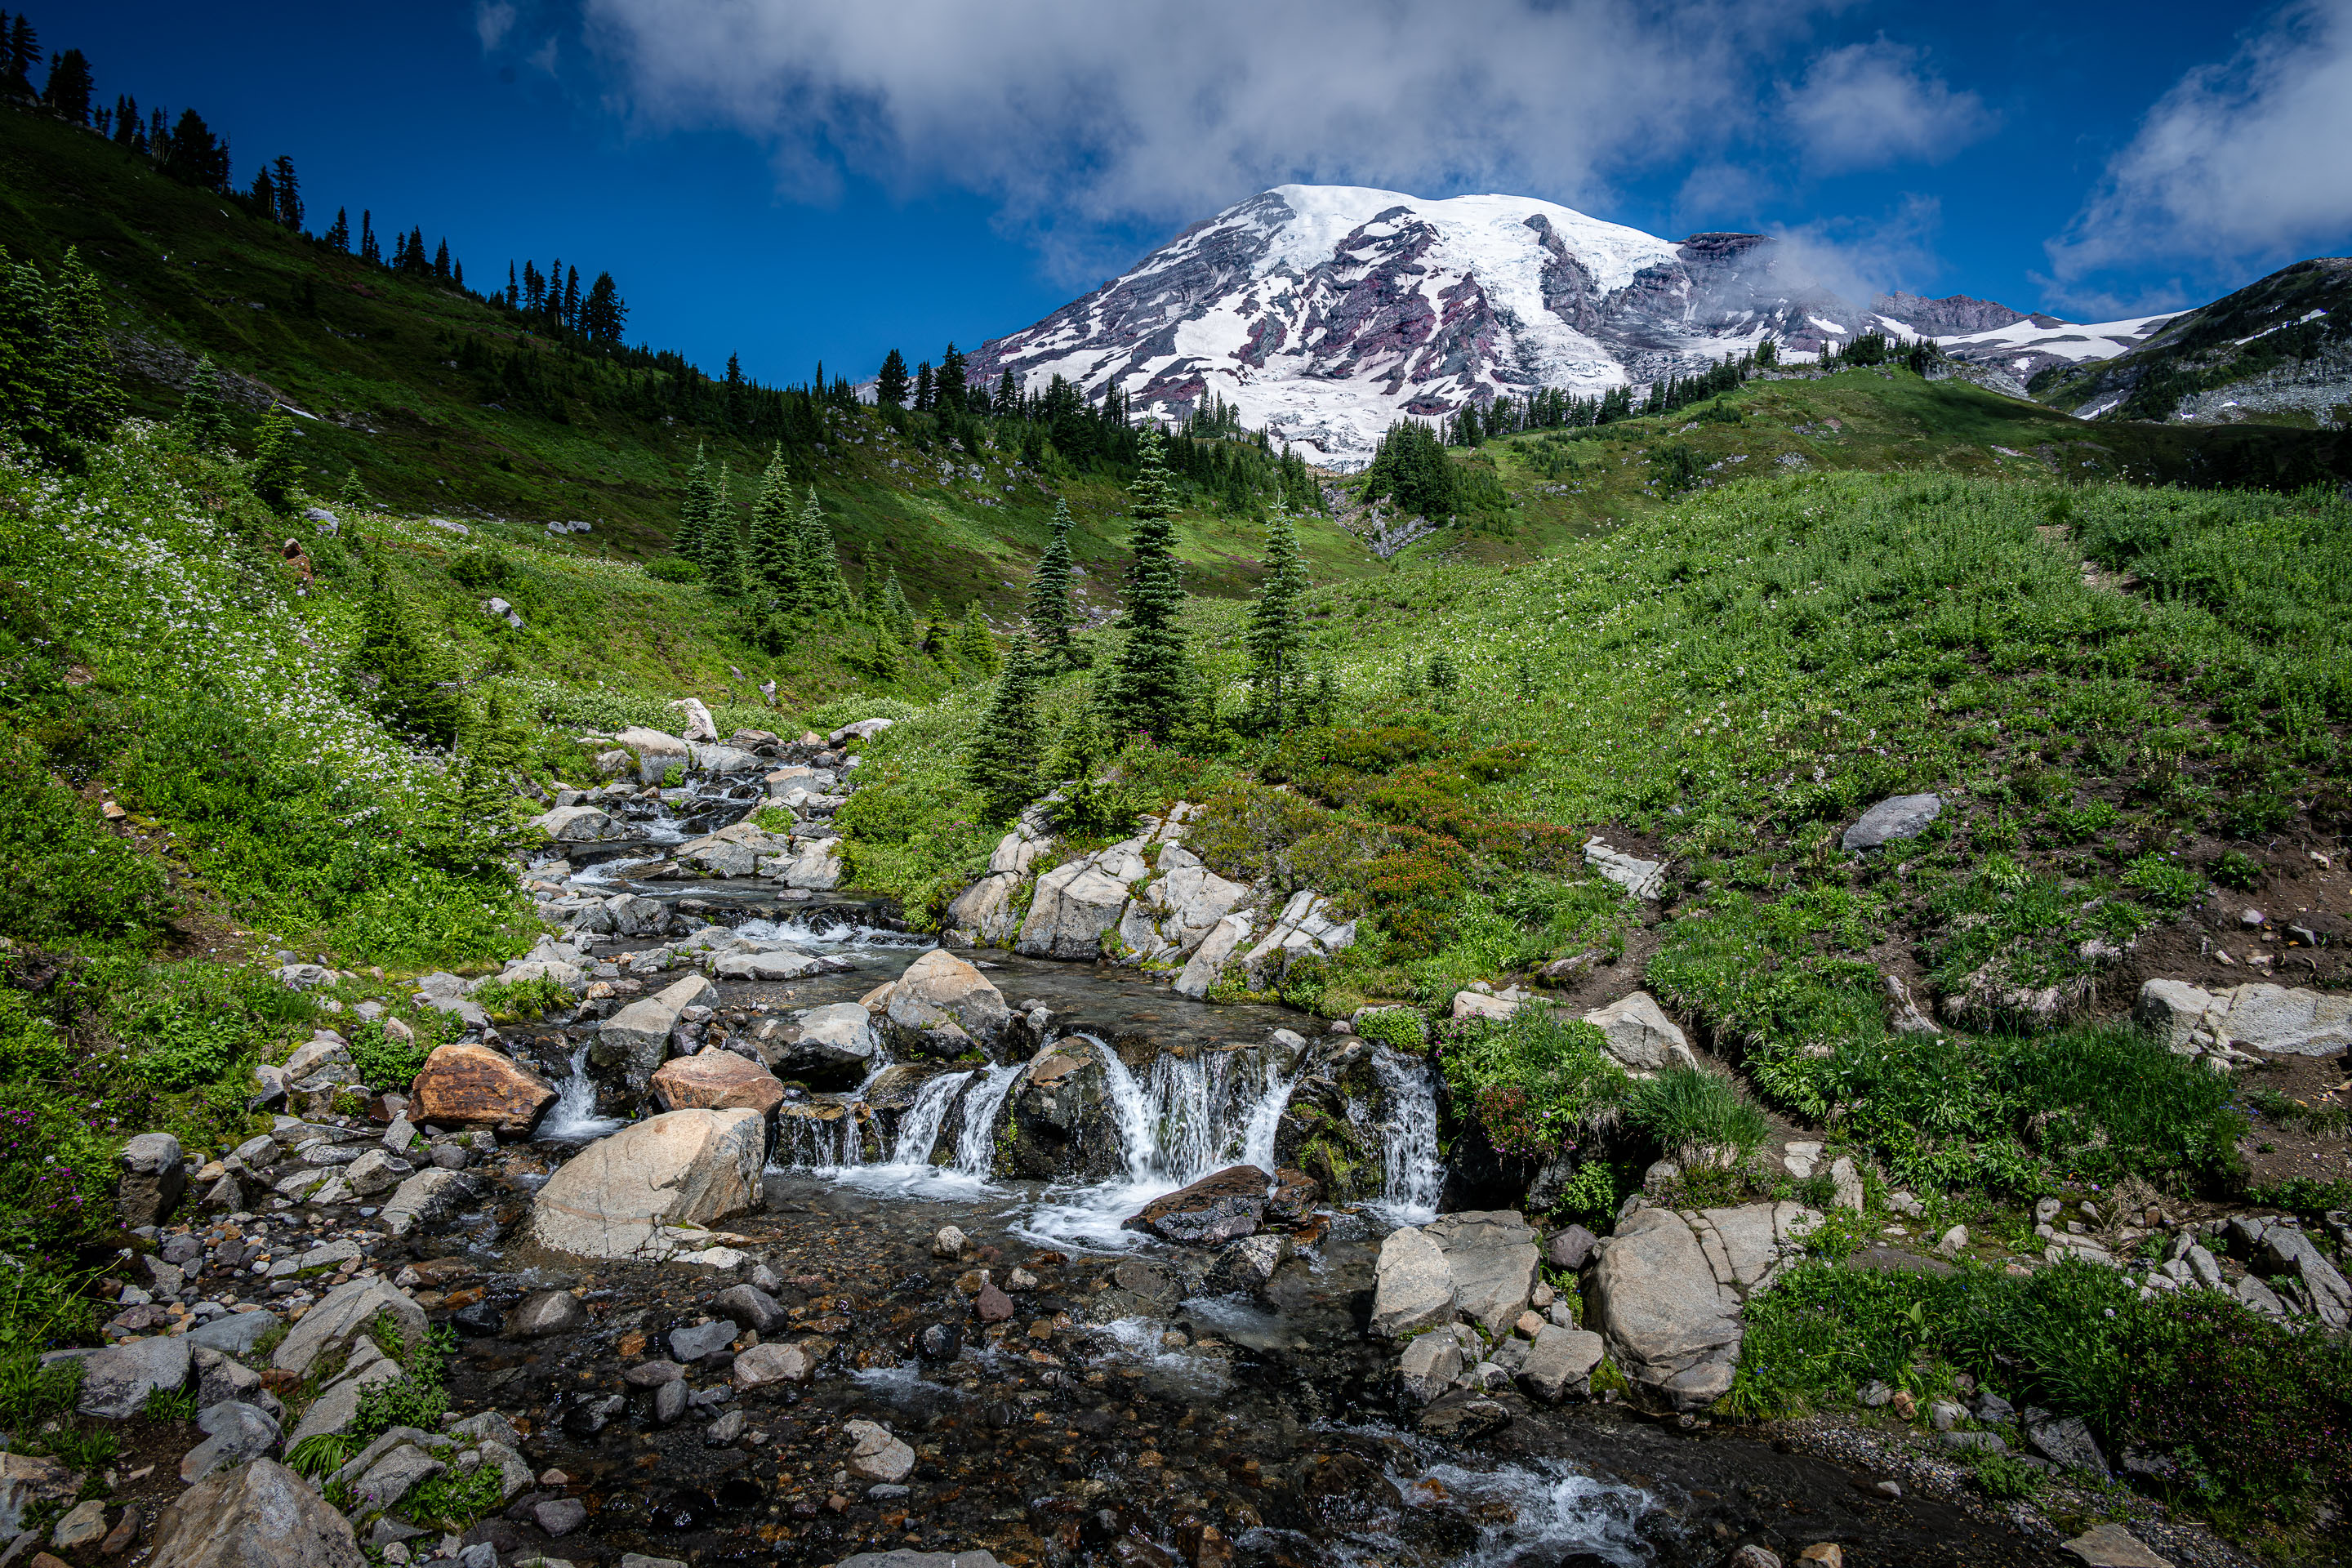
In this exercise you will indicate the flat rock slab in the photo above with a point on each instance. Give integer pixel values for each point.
(1221, 1206)
(1413, 1290)
(117, 1380)
(344, 1315)
(2113, 1546)
(681, 1168)
(1896, 817)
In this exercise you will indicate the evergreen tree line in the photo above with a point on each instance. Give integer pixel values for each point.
(1918, 355)
(1410, 469)
(58, 389)
(1553, 409)
(1151, 690)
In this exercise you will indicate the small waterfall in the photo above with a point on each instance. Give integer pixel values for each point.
(1412, 1172)
(918, 1128)
(1189, 1117)
(821, 1143)
(572, 1117)
(976, 1143)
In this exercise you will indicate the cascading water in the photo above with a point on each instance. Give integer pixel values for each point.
(1188, 1116)
(976, 1143)
(918, 1128)
(1412, 1171)
(572, 1117)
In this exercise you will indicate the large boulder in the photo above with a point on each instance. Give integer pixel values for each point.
(1059, 1120)
(617, 1198)
(694, 720)
(1493, 1260)
(1219, 1207)
(1671, 1328)
(473, 1086)
(425, 1198)
(1636, 1031)
(1075, 904)
(716, 1080)
(345, 1315)
(116, 1381)
(1558, 1364)
(1412, 1288)
(152, 1181)
(943, 1006)
(576, 823)
(260, 1515)
(1164, 922)
(813, 865)
(636, 1038)
(657, 753)
(835, 1047)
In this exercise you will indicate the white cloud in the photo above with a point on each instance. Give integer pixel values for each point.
(2241, 160)
(1077, 113)
(1859, 258)
(1868, 105)
(493, 20)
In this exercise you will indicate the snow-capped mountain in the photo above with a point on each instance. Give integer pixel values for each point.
(1324, 312)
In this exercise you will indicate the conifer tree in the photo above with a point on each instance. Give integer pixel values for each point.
(85, 399)
(723, 542)
(401, 672)
(24, 53)
(948, 386)
(289, 211)
(204, 418)
(890, 386)
(69, 84)
(898, 615)
(1151, 687)
(1008, 395)
(273, 471)
(694, 509)
(776, 536)
(1278, 641)
(368, 251)
(872, 601)
(923, 388)
(339, 234)
(975, 645)
(1001, 763)
(1050, 618)
(353, 496)
(825, 591)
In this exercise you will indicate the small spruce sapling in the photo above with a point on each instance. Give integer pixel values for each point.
(1001, 763)
(204, 418)
(975, 645)
(273, 472)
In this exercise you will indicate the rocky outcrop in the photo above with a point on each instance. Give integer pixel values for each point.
(736, 850)
(117, 1380)
(472, 1085)
(576, 824)
(258, 1515)
(623, 1196)
(1164, 923)
(1210, 959)
(1078, 903)
(335, 1323)
(657, 753)
(716, 1080)
(1641, 878)
(2223, 1027)
(1304, 929)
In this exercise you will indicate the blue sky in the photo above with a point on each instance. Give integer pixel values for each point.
(810, 182)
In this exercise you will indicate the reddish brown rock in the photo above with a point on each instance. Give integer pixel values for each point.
(474, 1086)
(1221, 1206)
(993, 1304)
(716, 1080)
(1293, 1201)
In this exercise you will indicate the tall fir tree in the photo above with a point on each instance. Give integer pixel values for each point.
(290, 193)
(775, 562)
(369, 253)
(722, 541)
(974, 645)
(694, 509)
(1051, 619)
(1001, 763)
(339, 234)
(1277, 638)
(204, 418)
(85, 397)
(890, 387)
(924, 401)
(873, 600)
(825, 591)
(1151, 687)
(948, 386)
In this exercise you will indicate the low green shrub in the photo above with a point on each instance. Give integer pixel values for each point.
(1537, 1082)
(455, 1498)
(511, 999)
(386, 1062)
